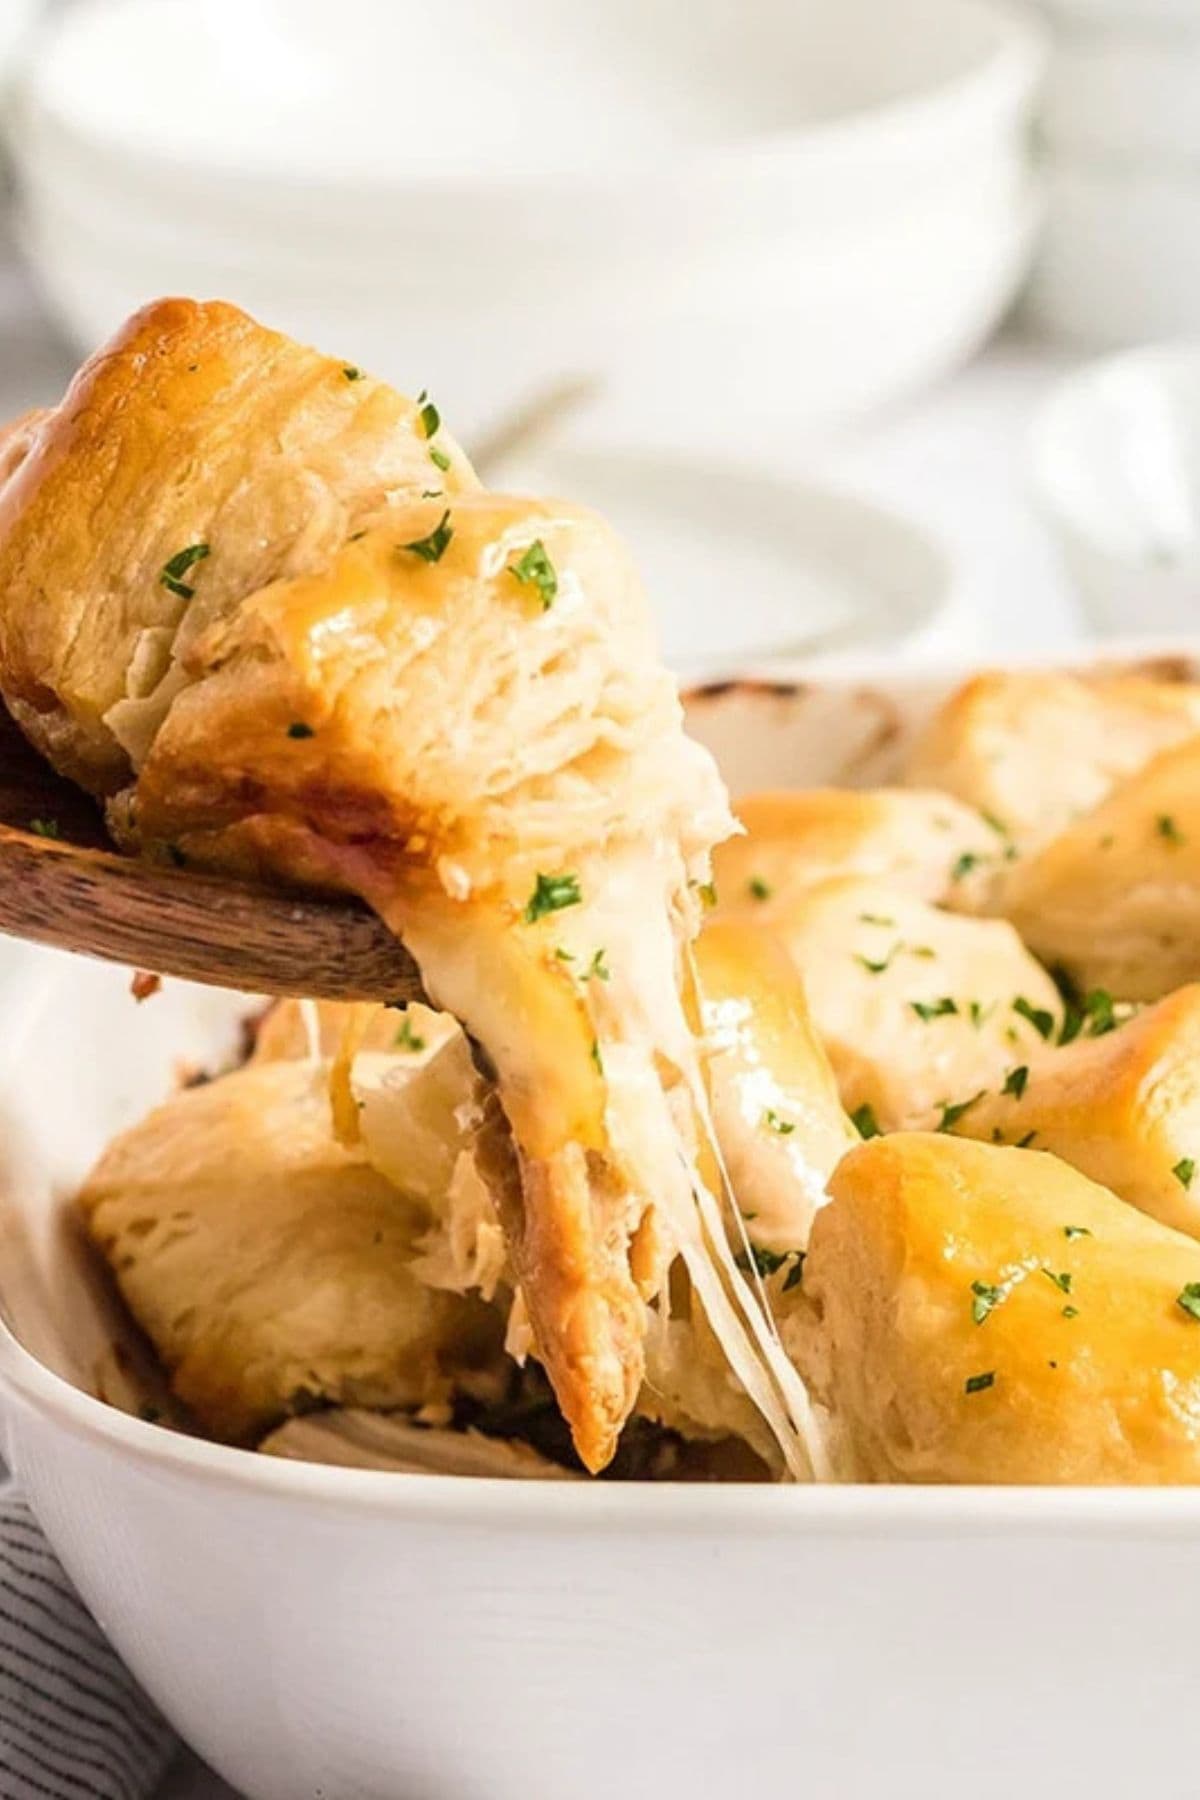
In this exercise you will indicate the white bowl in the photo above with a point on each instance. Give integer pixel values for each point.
(699, 233)
(1119, 261)
(368, 1636)
(1125, 95)
(1116, 466)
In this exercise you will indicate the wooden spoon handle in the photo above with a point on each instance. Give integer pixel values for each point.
(201, 927)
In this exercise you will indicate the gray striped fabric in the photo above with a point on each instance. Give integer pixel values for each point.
(72, 1720)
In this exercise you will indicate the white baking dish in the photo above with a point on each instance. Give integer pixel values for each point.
(365, 1636)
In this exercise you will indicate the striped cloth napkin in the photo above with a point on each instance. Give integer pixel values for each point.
(74, 1725)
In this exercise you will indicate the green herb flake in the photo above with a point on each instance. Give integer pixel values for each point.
(986, 1297)
(298, 729)
(1015, 1080)
(976, 1384)
(176, 567)
(45, 828)
(934, 1009)
(1071, 1232)
(351, 373)
(926, 952)
(1062, 1280)
(439, 459)
(864, 1121)
(759, 889)
(534, 569)
(597, 969)
(980, 1014)
(964, 864)
(1042, 1021)
(768, 1262)
(564, 955)
(997, 825)
(1183, 1171)
(406, 1038)
(782, 1127)
(1189, 1299)
(877, 967)
(551, 894)
(952, 1114)
(1169, 831)
(795, 1274)
(428, 414)
(1024, 1143)
(431, 549)
(596, 1056)
(707, 891)
(1070, 1312)
(877, 919)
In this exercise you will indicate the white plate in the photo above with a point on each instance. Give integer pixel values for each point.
(743, 566)
(369, 1636)
(1116, 464)
(1119, 261)
(1125, 96)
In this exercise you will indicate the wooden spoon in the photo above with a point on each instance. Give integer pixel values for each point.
(61, 883)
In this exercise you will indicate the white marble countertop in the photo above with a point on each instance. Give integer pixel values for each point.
(955, 461)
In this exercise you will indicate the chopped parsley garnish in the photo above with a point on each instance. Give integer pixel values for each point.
(975, 1384)
(430, 417)
(1070, 1312)
(298, 729)
(878, 968)
(1183, 1171)
(551, 894)
(596, 1056)
(47, 828)
(952, 1114)
(934, 1009)
(980, 1014)
(925, 951)
(795, 1274)
(598, 968)
(1169, 831)
(176, 567)
(876, 919)
(986, 1297)
(406, 1038)
(1015, 1080)
(431, 549)
(1062, 1281)
(997, 825)
(534, 569)
(759, 889)
(439, 459)
(1189, 1299)
(351, 373)
(1042, 1021)
(964, 864)
(1071, 1232)
(864, 1121)
(784, 1127)
(564, 955)
(1024, 1143)
(769, 1262)
(707, 891)
(1094, 1015)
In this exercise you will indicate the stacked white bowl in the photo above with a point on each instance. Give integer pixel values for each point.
(728, 211)
(1120, 261)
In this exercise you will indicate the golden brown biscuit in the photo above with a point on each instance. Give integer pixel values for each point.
(976, 1314)
(269, 1266)
(1115, 900)
(918, 1009)
(1122, 1107)
(1034, 749)
(195, 458)
(920, 841)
